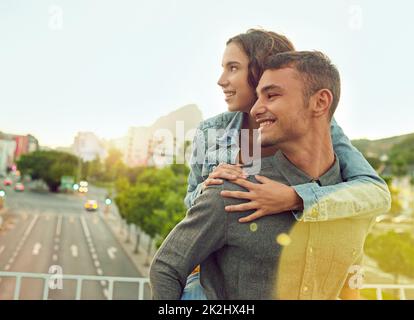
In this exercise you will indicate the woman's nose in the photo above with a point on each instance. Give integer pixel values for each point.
(222, 81)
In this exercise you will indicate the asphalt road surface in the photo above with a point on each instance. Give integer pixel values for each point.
(42, 230)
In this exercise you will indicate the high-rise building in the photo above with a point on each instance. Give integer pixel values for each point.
(88, 147)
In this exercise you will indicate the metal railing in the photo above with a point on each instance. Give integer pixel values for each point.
(380, 287)
(47, 278)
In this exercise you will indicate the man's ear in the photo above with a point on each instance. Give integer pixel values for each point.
(322, 102)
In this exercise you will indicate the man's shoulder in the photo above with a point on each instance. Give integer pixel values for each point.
(210, 196)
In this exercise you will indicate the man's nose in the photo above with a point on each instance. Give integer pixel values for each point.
(257, 109)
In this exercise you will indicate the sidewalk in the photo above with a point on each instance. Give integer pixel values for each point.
(2, 211)
(141, 259)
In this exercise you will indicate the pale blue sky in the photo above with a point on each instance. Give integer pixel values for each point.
(115, 64)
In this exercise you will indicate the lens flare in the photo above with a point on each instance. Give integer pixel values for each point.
(283, 239)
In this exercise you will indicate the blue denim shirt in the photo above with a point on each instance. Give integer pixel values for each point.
(363, 191)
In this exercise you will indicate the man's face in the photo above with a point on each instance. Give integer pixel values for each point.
(280, 108)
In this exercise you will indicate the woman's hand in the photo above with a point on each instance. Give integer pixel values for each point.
(225, 171)
(267, 197)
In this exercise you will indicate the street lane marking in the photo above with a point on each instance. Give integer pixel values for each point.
(94, 256)
(7, 267)
(74, 250)
(111, 252)
(2, 249)
(97, 264)
(36, 249)
(99, 271)
(85, 228)
(59, 226)
(56, 247)
(106, 293)
(29, 229)
(55, 257)
(103, 283)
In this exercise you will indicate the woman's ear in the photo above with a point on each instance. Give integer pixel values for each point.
(322, 102)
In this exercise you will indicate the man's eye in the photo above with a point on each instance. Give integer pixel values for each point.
(272, 95)
(233, 68)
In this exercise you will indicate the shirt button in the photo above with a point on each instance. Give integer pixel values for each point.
(310, 249)
(305, 289)
(353, 252)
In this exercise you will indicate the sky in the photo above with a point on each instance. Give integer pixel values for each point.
(106, 65)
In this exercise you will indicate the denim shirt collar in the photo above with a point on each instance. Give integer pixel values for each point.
(234, 126)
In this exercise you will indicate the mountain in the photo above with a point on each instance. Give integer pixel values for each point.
(377, 148)
(190, 115)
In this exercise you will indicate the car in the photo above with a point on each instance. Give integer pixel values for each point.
(403, 219)
(7, 182)
(19, 187)
(91, 205)
(384, 218)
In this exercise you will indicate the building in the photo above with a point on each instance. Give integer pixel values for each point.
(7, 150)
(12, 147)
(141, 143)
(88, 147)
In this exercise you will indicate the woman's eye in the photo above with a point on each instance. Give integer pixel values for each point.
(233, 68)
(273, 95)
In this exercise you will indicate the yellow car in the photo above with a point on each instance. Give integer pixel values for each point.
(91, 205)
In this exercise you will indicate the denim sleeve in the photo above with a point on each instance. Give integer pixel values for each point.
(195, 179)
(362, 193)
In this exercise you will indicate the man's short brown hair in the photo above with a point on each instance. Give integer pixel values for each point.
(316, 70)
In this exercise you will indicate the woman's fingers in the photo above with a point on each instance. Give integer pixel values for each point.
(241, 207)
(228, 171)
(210, 181)
(223, 175)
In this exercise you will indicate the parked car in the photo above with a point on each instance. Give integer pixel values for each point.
(384, 218)
(7, 182)
(403, 219)
(91, 205)
(19, 187)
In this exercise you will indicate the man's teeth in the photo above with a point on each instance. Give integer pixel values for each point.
(266, 123)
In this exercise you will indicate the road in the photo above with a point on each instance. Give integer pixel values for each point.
(41, 230)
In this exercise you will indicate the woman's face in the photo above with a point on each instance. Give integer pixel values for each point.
(237, 91)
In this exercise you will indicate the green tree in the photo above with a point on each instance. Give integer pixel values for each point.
(49, 166)
(394, 253)
(155, 201)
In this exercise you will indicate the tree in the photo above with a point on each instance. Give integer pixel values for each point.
(394, 253)
(396, 206)
(114, 167)
(155, 201)
(49, 166)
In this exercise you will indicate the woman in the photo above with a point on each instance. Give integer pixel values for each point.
(364, 192)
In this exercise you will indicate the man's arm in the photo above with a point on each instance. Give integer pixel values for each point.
(199, 234)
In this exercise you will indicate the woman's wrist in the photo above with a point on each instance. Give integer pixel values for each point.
(295, 202)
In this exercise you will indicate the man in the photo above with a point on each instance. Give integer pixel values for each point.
(297, 96)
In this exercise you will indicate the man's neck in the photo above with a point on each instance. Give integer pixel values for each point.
(313, 153)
